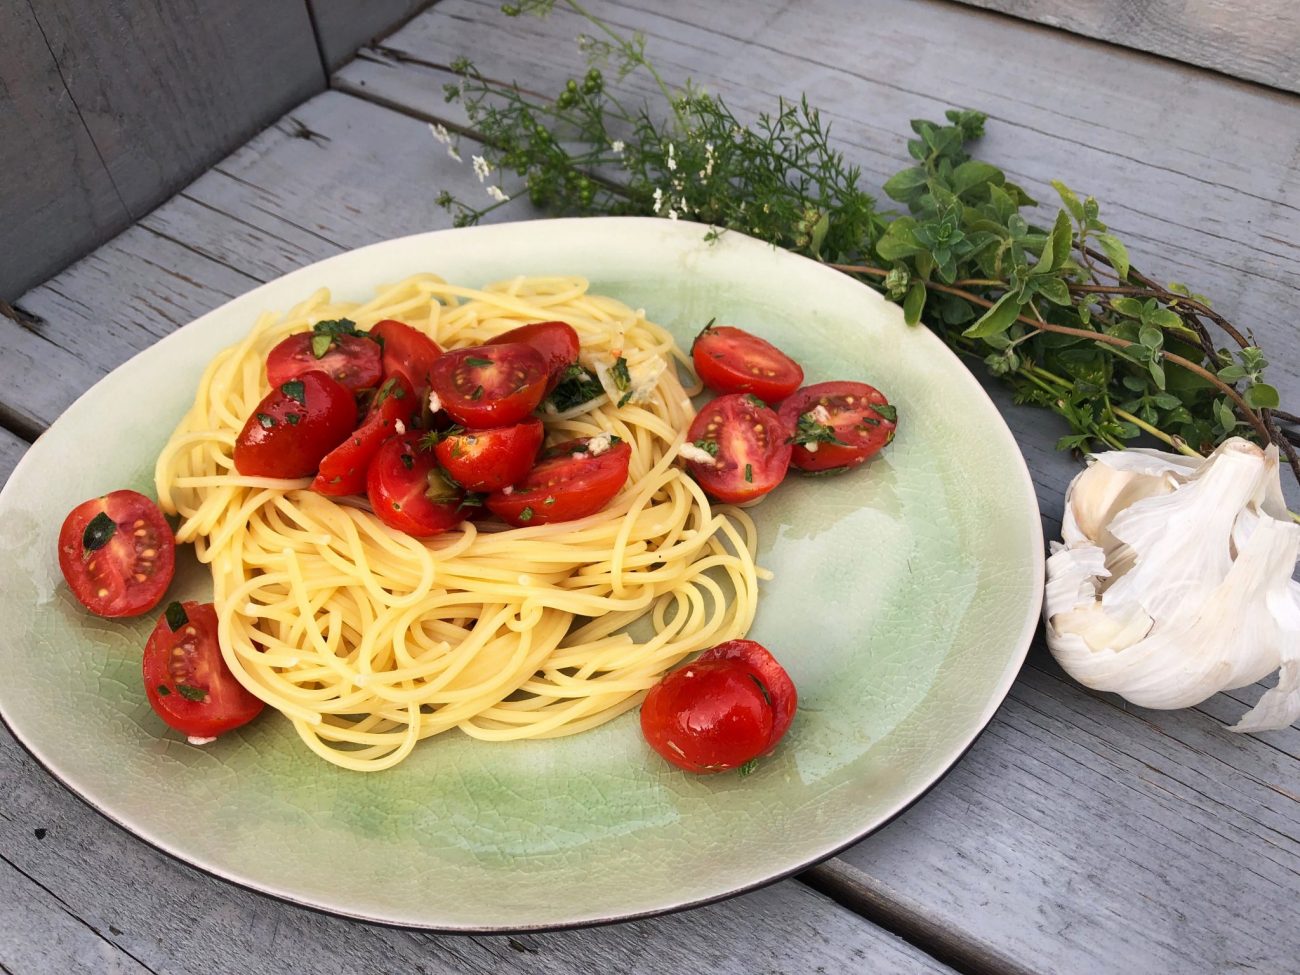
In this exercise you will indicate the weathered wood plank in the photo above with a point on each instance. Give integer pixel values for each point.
(1161, 145)
(342, 26)
(12, 449)
(174, 919)
(167, 89)
(1255, 40)
(57, 198)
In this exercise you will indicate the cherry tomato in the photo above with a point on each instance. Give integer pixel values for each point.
(409, 492)
(351, 360)
(556, 341)
(730, 360)
(186, 679)
(408, 352)
(731, 705)
(484, 460)
(294, 427)
(490, 385)
(837, 425)
(748, 444)
(117, 554)
(343, 469)
(569, 482)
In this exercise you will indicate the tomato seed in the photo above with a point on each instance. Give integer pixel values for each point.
(140, 577)
(102, 593)
(149, 553)
(139, 523)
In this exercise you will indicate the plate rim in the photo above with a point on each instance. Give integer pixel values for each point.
(997, 698)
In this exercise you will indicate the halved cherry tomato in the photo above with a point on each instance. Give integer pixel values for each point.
(351, 360)
(490, 385)
(343, 469)
(117, 554)
(837, 425)
(730, 360)
(484, 460)
(294, 427)
(408, 352)
(186, 679)
(556, 341)
(729, 706)
(569, 482)
(409, 492)
(748, 444)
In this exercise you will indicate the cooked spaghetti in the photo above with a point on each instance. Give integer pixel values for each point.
(369, 640)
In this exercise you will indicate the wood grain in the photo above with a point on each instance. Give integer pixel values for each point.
(12, 449)
(342, 26)
(57, 198)
(1256, 40)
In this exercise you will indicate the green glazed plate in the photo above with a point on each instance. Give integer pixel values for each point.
(904, 599)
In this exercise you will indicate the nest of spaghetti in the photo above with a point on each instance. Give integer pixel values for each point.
(369, 640)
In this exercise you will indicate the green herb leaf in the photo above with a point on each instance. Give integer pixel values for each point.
(293, 419)
(337, 326)
(477, 361)
(914, 303)
(295, 390)
(886, 410)
(1070, 200)
(191, 693)
(98, 532)
(163, 690)
(320, 345)
(710, 447)
(577, 386)
(1262, 396)
(526, 514)
(807, 430)
(408, 461)
(996, 320)
(618, 372)
(477, 394)
(624, 399)
(1116, 253)
(266, 420)
(748, 768)
(176, 616)
(749, 473)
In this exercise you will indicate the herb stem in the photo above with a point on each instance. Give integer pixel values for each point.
(620, 43)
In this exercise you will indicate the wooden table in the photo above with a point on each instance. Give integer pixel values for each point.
(1080, 834)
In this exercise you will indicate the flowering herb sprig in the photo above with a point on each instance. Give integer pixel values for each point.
(1057, 311)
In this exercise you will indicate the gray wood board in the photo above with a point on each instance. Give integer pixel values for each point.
(56, 198)
(342, 26)
(141, 285)
(283, 201)
(11, 451)
(1255, 40)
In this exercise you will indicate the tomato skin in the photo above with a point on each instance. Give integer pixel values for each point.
(732, 704)
(408, 353)
(398, 483)
(852, 419)
(752, 455)
(180, 664)
(485, 460)
(104, 579)
(343, 469)
(556, 341)
(490, 385)
(731, 360)
(564, 487)
(353, 362)
(294, 427)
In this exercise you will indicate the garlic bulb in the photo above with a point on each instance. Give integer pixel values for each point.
(1173, 580)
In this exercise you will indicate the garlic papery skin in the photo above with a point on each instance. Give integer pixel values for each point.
(1173, 580)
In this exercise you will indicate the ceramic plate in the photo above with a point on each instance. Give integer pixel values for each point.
(903, 602)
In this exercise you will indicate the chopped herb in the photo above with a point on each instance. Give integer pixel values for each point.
(472, 500)
(442, 487)
(176, 616)
(748, 767)
(549, 500)
(526, 514)
(408, 461)
(710, 447)
(808, 430)
(622, 400)
(98, 532)
(430, 439)
(888, 411)
(389, 388)
(191, 693)
(295, 390)
(164, 690)
(753, 400)
(749, 473)
(320, 344)
(622, 378)
(576, 386)
(615, 440)
(702, 332)
(338, 326)
(477, 394)
(477, 361)
(293, 418)
(266, 420)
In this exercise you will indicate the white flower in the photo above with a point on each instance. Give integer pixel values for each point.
(670, 162)
(672, 214)
(707, 171)
(440, 133)
(451, 151)
(617, 146)
(659, 199)
(496, 194)
(482, 168)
